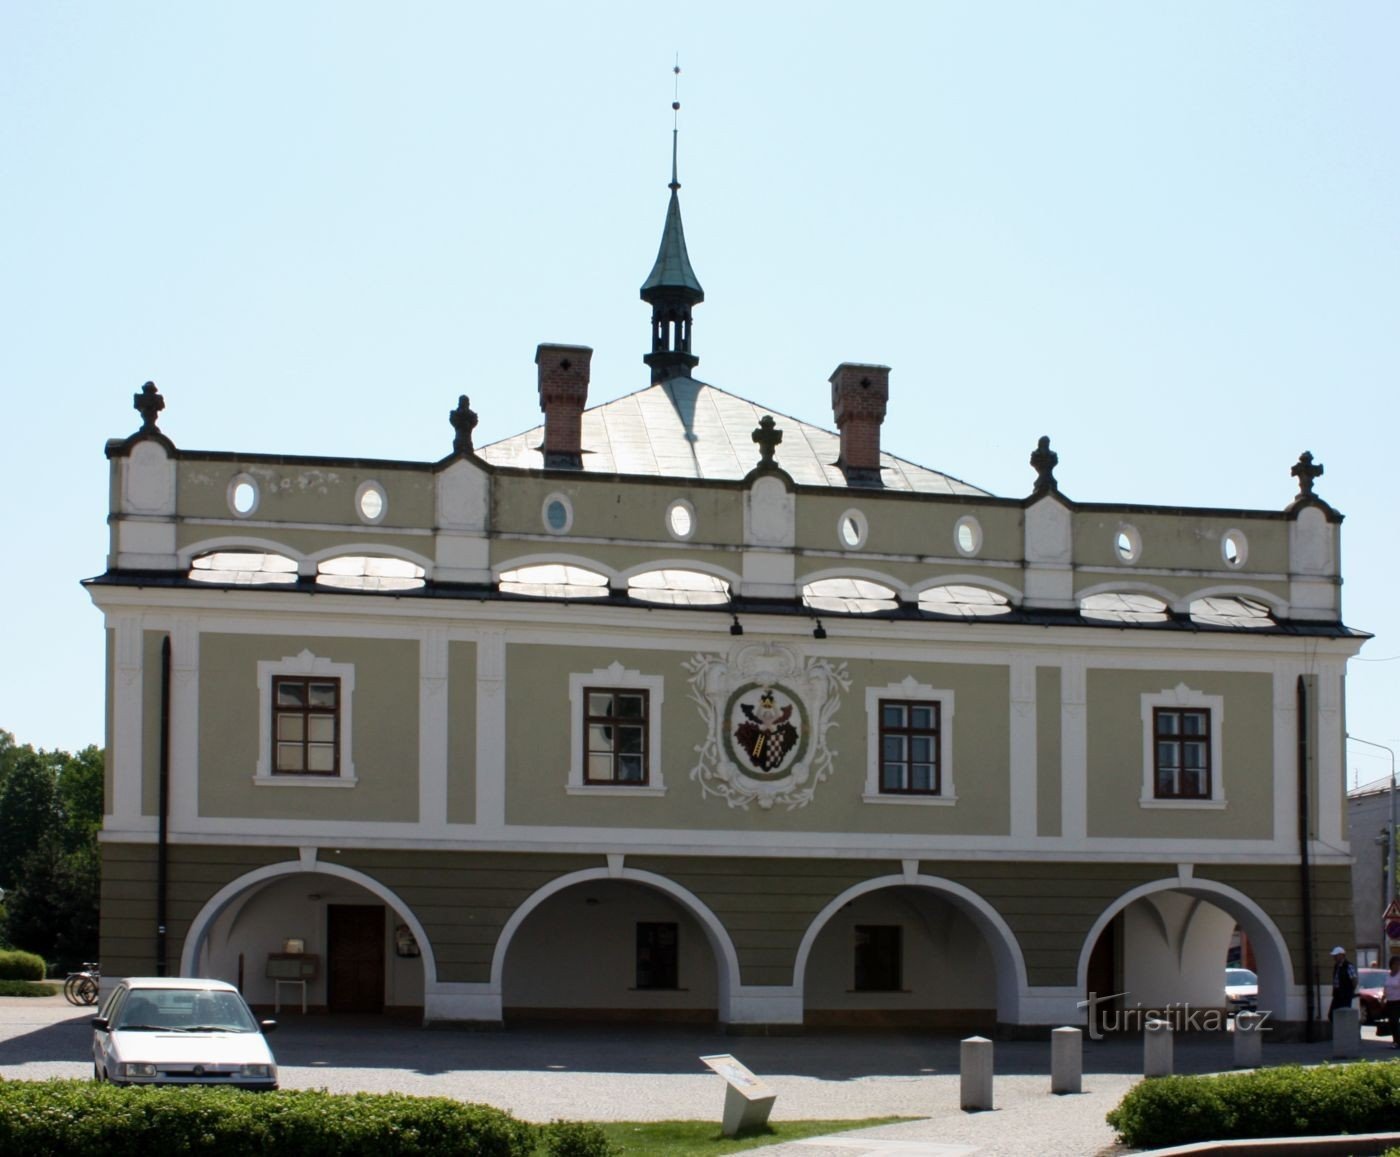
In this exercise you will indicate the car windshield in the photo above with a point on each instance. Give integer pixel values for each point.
(1370, 977)
(1234, 976)
(184, 1010)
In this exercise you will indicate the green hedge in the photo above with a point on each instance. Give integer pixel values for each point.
(59, 1118)
(15, 965)
(1280, 1102)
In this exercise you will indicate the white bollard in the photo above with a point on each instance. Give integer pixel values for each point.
(1157, 1049)
(1346, 1032)
(1066, 1061)
(1249, 1041)
(976, 1062)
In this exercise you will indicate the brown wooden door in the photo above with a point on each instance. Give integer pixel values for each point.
(355, 958)
(1103, 976)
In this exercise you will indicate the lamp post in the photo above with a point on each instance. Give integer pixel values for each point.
(1390, 867)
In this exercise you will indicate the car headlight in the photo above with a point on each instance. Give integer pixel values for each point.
(129, 1069)
(255, 1071)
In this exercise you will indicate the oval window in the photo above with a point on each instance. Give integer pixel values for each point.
(370, 501)
(1234, 548)
(852, 528)
(243, 496)
(967, 535)
(558, 514)
(1127, 543)
(680, 519)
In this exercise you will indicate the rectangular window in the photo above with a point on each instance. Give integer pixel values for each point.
(879, 958)
(1181, 743)
(305, 725)
(615, 736)
(909, 747)
(657, 955)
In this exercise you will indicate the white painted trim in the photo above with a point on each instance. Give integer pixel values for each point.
(699, 566)
(1002, 942)
(184, 720)
(1182, 696)
(1330, 765)
(974, 528)
(319, 782)
(433, 720)
(900, 590)
(1132, 538)
(689, 507)
(1127, 587)
(912, 690)
(556, 558)
(1013, 593)
(128, 716)
(306, 663)
(490, 733)
(726, 958)
(861, 524)
(1023, 742)
(616, 676)
(1241, 541)
(376, 549)
(910, 800)
(1278, 607)
(1074, 751)
(243, 479)
(186, 555)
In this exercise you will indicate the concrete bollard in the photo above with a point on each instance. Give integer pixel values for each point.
(1249, 1041)
(1066, 1061)
(1346, 1032)
(1157, 1049)
(975, 1058)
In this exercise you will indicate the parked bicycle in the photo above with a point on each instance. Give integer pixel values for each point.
(82, 987)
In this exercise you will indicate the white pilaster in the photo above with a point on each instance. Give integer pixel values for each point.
(1074, 750)
(1331, 767)
(124, 808)
(1286, 755)
(1022, 727)
(432, 731)
(491, 731)
(184, 722)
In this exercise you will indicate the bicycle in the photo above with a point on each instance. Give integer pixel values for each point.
(82, 987)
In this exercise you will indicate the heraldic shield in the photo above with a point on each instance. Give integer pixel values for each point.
(767, 710)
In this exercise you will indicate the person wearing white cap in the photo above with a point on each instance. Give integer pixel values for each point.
(1343, 981)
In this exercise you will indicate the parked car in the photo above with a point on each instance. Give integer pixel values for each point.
(1241, 990)
(1370, 994)
(164, 1030)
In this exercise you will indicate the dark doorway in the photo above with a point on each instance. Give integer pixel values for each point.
(1104, 975)
(355, 952)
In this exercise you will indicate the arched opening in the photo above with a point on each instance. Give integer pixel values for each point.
(1164, 947)
(910, 951)
(361, 950)
(609, 948)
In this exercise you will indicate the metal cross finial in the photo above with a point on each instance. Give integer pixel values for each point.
(1306, 473)
(1044, 460)
(767, 436)
(464, 421)
(148, 404)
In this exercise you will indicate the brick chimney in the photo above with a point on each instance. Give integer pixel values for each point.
(563, 373)
(858, 397)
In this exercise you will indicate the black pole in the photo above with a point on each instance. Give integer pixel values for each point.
(1305, 875)
(162, 866)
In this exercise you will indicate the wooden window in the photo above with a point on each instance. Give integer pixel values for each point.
(615, 736)
(305, 725)
(657, 955)
(909, 743)
(879, 962)
(1181, 763)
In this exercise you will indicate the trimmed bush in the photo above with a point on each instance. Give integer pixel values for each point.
(1289, 1101)
(52, 1118)
(577, 1139)
(16, 965)
(27, 988)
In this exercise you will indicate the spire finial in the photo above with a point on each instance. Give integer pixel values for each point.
(675, 123)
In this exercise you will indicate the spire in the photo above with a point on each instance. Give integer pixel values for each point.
(672, 287)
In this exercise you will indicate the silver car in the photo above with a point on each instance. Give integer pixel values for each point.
(167, 1030)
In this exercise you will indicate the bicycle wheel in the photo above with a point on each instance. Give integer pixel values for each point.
(70, 988)
(86, 990)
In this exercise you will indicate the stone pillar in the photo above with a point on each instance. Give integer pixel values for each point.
(1249, 1041)
(1346, 1032)
(1157, 1049)
(1066, 1061)
(975, 1061)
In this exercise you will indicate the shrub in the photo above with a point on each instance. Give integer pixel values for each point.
(27, 988)
(44, 1118)
(577, 1139)
(15, 965)
(1279, 1102)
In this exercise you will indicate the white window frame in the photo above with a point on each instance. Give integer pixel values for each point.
(1176, 698)
(618, 677)
(303, 665)
(910, 690)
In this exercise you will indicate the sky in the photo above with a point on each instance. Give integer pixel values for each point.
(1166, 235)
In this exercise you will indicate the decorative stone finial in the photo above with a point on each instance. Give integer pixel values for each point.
(464, 421)
(1045, 460)
(1306, 473)
(148, 404)
(767, 436)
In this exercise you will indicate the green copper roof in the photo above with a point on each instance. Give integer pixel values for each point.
(672, 269)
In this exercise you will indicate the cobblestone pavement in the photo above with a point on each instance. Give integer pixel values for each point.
(632, 1073)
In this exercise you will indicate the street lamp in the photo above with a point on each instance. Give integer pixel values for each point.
(1390, 875)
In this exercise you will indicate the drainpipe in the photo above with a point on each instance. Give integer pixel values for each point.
(1305, 874)
(162, 845)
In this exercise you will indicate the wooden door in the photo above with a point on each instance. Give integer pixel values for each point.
(1103, 976)
(355, 958)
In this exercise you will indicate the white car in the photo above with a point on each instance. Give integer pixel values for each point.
(1241, 990)
(169, 1030)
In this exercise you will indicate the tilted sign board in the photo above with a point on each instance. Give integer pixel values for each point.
(747, 1100)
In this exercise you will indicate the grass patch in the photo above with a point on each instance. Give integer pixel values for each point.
(704, 1139)
(27, 988)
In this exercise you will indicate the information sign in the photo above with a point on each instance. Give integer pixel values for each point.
(747, 1100)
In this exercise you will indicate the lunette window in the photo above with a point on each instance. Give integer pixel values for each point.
(909, 747)
(1181, 743)
(657, 955)
(615, 735)
(306, 725)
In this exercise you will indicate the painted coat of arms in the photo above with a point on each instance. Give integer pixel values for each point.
(767, 710)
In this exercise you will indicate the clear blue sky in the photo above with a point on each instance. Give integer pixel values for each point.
(1163, 234)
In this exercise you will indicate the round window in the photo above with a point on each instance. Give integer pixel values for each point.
(1234, 548)
(967, 535)
(558, 514)
(852, 528)
(680, 519)
(1127, 543)
(371, 502)
(243, 495)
